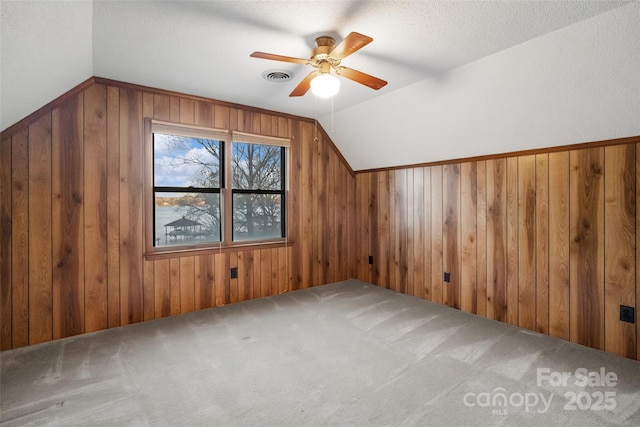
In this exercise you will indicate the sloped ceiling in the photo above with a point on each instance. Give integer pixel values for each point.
(465, 78)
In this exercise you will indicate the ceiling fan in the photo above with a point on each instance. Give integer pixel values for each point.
(326, 57)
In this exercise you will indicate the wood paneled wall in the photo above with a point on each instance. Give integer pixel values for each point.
(545, 241)
(71, 217)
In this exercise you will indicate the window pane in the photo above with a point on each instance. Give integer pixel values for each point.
(186, 218)
(180, 161)
(256, 167)
(257, 216)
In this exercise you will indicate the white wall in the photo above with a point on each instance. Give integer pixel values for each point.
(45, 50)
(577, 84)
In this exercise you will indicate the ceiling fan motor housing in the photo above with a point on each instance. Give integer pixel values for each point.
(325, 45)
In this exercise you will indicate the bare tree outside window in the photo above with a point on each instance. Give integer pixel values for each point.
(258, 191)
(189, 176)
(187, 181)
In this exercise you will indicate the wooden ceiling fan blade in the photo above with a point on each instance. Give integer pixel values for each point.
(352, 43)
(304, 86)
(360, 77)
(274, 57)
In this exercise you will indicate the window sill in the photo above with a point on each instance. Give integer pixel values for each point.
(183, 251)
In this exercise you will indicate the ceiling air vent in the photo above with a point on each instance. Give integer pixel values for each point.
(277, 76)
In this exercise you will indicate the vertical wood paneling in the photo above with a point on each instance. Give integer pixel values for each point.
(203, 114)
(162, 288)
(427, 257)
(637, 147)
(204, 281)
(587, 247)
(265, 124)
(497, 239)
(187, 111)
(436, 234)
(512, 240)
(526, 242)
(294, 206)
(364, 224)
(559, 291)
(408, 261)
(326, 210)
(148, 290)
(417, 265)
(95, 208)
(174, 108)
(245, 275)
(284, 282)
(265, 272)
(6, 260)
(131, 186)
(221, 279)
(481, 227)
(468, 223)
(369, 219)
(400, 246)
(413, 221)
(542, 243)
(257, 274)
(382, 257)
(98, 276)
(113, 208)
(332, 220)
(393, 233)
(306, 204)
(241, 119)
(234, 290)
(275, 272)
(318, 205)
(40, 233)
(162, 107)
(348, 236)
(451, 234)
(20, 239)
(514, 216)
(619, 247)
(367, 222)
(222, 119)
(313, 204)
(68, 223)
(174, 285)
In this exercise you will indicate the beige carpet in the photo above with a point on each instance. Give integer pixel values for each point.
(345, 354)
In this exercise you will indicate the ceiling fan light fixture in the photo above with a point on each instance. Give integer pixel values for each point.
(325, 85)
(326, 58)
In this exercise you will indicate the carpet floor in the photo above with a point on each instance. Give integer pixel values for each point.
(345, 354)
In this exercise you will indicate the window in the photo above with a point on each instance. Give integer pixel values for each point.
(210, 190)
(258, 191)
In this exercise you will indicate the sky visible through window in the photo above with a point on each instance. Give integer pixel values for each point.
(179, 161)
(186, 165)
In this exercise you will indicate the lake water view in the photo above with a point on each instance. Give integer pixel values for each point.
(166, 215)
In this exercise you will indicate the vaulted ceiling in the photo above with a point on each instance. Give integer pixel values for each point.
(465, 78)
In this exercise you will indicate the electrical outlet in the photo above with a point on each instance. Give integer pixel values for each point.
(371, 259)
(234, 272)
(447, 276)
(627, 314)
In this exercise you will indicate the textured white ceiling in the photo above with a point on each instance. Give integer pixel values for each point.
(45, 50)
(203, 48)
